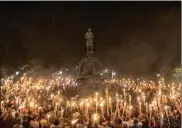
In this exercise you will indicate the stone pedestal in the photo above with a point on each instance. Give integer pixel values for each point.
(89, 78)
(89, 69)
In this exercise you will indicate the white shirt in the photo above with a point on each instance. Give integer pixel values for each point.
(130, 122)
(140, 123)
(17, 126)
(126, 122)
(43, 122)
(34, 124)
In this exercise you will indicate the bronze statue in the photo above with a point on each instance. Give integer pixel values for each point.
(89, 40)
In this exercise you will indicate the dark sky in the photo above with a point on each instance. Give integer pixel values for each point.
(132, 37)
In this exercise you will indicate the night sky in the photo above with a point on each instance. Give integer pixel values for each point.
(130, 37)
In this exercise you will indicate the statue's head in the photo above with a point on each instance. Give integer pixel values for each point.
(89, 29)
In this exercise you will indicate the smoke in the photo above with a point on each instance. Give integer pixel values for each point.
(149, 50)
(135, 58)
(172, 30)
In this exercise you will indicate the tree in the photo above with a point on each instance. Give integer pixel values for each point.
(173, 75)
(177, 74)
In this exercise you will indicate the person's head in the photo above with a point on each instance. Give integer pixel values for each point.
(35, 117)
(29, 112)
(140, 117)
(81, 121)
(125, 126)
(116, 121)
(20, 121)
(51, 108)
(132, 116)
(145, 117)
(108, 118)
(16, 115)
(89, 29)
(108, 124)
(25, 118)
(156, 118)
(1, 113)
(56, 122)
(43, 116)
(45, 126)
(177, 117)
(78, 126)
(29, 119)
(165, 121)
(119, 121)
(95, 126)
(127, 118)
(135, 121)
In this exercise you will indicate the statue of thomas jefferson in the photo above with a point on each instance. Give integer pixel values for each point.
(89, 40)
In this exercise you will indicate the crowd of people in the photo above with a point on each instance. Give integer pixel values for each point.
(28, 102)
(48, 118)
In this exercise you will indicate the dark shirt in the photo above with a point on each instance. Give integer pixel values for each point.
(26, 124)
(176, 124)
(10, 122)
(164, 126)
(157, 125)
(145, 124)
(1, 123)
(135, 126)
